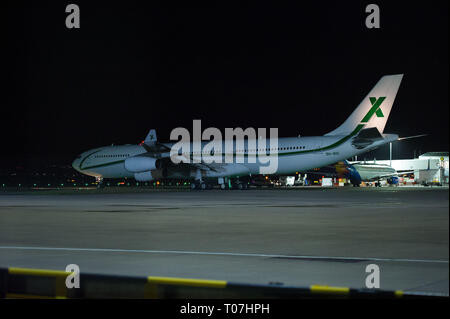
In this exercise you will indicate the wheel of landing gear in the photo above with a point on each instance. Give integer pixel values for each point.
(193, 186)
(239, 186)
(202, 186)
(222, 186)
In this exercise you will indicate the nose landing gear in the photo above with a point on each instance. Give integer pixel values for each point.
(100, 183)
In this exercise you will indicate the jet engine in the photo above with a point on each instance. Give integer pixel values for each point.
(140, 164)
(143, 176)
(393, 180)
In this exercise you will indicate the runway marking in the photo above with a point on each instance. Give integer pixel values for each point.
(109, 250)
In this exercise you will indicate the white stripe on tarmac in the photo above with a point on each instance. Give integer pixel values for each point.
(318, 258)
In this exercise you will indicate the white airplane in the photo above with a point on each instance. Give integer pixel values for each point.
(374, 173)
(358, 172)
(150, 160)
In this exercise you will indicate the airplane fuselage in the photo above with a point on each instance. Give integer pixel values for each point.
(295, 154)
(373, 172)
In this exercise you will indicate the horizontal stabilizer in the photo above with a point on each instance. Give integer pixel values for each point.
(366, 137)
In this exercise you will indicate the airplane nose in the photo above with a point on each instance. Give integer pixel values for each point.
(76, 164)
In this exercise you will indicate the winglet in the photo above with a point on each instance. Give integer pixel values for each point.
(151, 137)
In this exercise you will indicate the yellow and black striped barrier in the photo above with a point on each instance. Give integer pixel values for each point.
(33, 283)
(36, 283)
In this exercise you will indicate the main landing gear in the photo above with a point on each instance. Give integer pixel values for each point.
(239, 185)
(224, 184)
(199, 185)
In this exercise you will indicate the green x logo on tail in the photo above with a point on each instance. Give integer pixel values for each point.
(374, 109)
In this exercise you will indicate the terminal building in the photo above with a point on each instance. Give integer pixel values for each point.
(429, 168)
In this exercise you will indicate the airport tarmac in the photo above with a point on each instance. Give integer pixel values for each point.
(296, 237)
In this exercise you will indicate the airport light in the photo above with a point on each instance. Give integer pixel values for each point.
(390, 154)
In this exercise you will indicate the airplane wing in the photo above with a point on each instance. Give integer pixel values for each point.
(158, 150)
(405, 173)
(213, 169)
(189, 163)
(382, 176)
(391, 175)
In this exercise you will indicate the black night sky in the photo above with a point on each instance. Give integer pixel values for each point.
(136, 65)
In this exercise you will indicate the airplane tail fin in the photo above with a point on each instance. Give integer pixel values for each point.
(151, 137)
(374, 110)
(150, 140)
